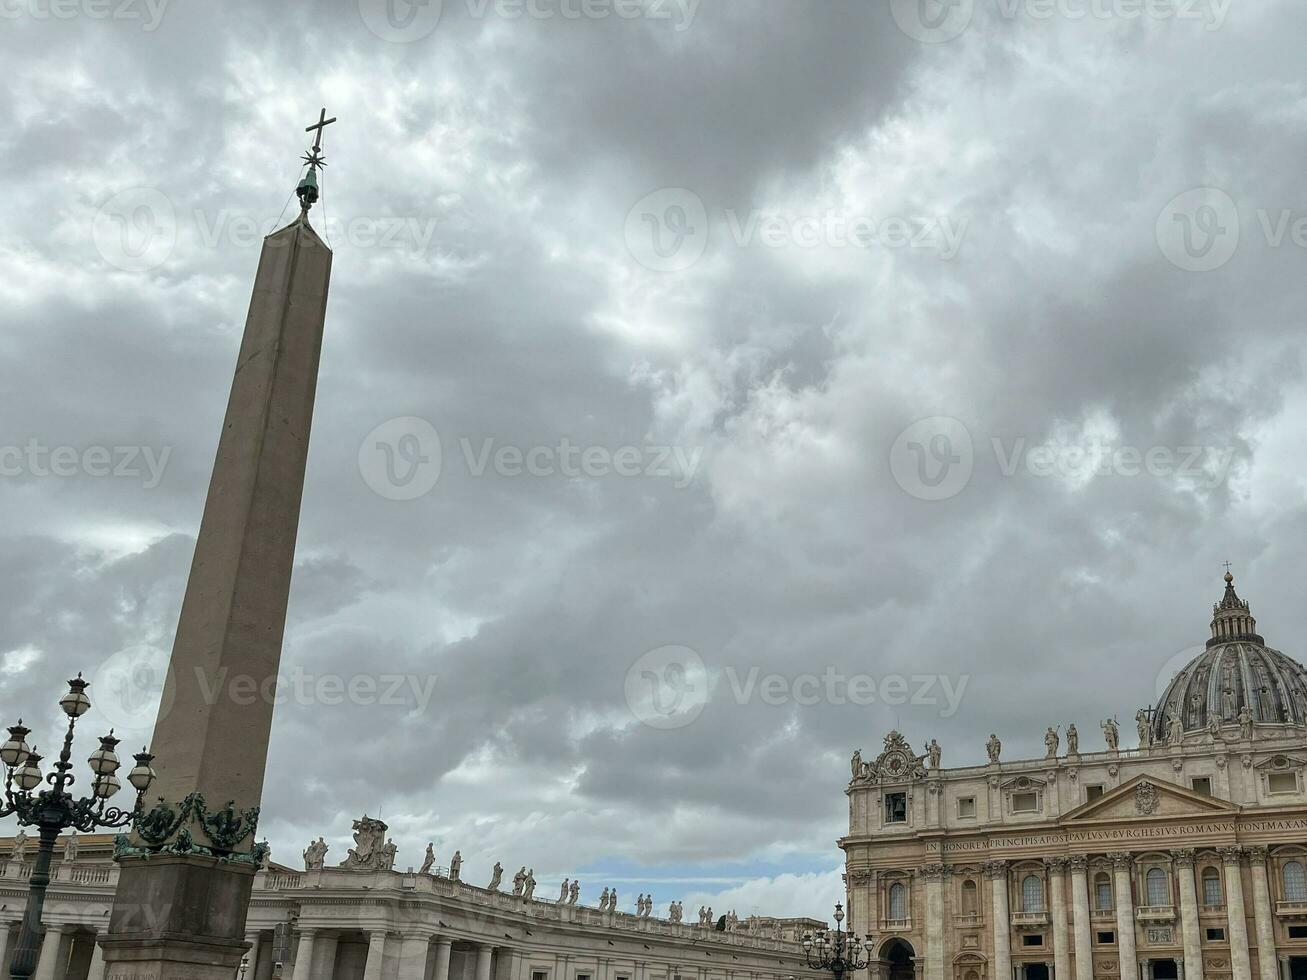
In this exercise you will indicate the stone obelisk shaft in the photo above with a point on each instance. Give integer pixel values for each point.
(182, 905)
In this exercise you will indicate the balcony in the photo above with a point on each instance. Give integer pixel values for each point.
(1103, 915)
(896, 925)
(968, 920)
(1155, 913)
(1020, 919)
(1291, 910)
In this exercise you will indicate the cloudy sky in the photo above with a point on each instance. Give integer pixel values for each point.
(707, 389)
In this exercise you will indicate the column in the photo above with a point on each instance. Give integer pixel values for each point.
(1057, 895)
(934, 876)
(1080, 917)
(1266, 959)
(325, 954)
(1241, 965)
(96, 969)
(1189, 934)
(441, 971)
(252, 973)
(483, 962)
(48, 963)
(304, 955)
(996, 872)
(1122, 865)
(377, 955)
(413, 956)
(4, 947)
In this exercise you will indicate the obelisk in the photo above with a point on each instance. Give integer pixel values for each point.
(187, 869)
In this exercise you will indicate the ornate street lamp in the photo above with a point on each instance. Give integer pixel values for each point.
(841, 953)
(54, 810)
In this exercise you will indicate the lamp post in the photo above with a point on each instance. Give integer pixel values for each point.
(55, 810)
(841, 953)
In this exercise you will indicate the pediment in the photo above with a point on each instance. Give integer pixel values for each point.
(1018, 784)
(1148, 796)
(1280, 763)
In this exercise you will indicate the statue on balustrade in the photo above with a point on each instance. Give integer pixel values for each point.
(603, 901)
(993, 747)
(1111, 734)
(562, 894)
(315, 855)
(70, 848)
(935, 753)
(1246, 723)
(1051, 740)
(1145, 730)
(388, 854)
(1072, 740)
(496, 877)
(519, 881)
(574, 893)
(529, 884)
(456, 866)
(369, 850)
(429, 859)
(674, 913)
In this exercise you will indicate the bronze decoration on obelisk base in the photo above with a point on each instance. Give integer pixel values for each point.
(187, 869)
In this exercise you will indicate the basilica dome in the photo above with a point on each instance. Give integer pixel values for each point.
(1237, 670)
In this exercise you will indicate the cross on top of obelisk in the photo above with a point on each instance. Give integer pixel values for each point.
(308, 188)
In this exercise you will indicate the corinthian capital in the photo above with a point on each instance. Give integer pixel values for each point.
(1056, 865)
(935, 872)
(1121, 860)
(1183, 857)
(995, 869)
(1257, 854)
(1230, 855)
(1078, 863)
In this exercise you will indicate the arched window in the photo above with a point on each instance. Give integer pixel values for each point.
(898, 901)
(1295, 882)
(969, 904)
(1211, 887)
(1032, 893)
(1158, 893)
(1102, 892)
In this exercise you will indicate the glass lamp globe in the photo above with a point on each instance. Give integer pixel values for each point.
(29, 776)
(141, 775)
(106, 786)
(104, 760)
(75, 703)
(14, 751)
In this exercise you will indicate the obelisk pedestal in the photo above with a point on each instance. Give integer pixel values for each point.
(188, 868)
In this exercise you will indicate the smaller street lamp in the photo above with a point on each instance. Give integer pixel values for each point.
(841, 953)
(55, 810)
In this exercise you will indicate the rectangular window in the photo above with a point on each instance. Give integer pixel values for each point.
(1202, 784)
(1211, 887)
(1295, 932)
(896, 807)
(539, 975)
(1106, 938)
(1103, 895)
(1215, 935)
(1034, 940)
(1093, 792)
(967, 806)
(583, 976)
(1025, 802)
(1282, 782)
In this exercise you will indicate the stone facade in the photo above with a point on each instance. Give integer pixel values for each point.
(380, 924)
(1182, 858)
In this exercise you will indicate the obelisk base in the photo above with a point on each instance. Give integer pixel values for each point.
(183, 920)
